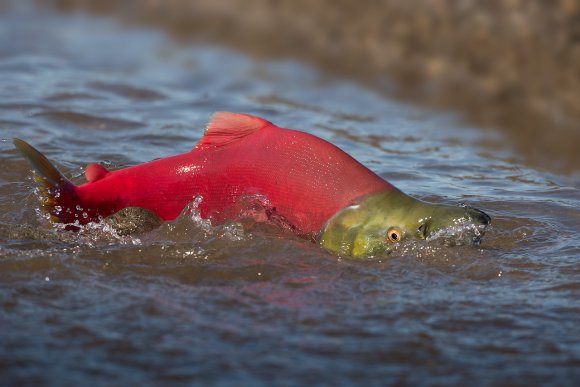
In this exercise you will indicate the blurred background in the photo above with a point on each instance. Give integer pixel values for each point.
(512, 65)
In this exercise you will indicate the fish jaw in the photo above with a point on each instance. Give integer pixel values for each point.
(375, 224)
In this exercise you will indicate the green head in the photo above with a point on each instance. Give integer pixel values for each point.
(376, 223)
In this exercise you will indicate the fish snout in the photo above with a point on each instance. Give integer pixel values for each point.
(458, 226)
(478, 216)
(480, 222)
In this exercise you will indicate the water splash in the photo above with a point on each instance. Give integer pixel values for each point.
(463, 232)
(191, 216)
(192, 213)
(95, 234)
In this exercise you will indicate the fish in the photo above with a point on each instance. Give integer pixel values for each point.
(245, 166)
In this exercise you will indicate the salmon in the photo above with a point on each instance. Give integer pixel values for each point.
(299, 180)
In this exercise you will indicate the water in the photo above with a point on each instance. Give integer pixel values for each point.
(192, 303)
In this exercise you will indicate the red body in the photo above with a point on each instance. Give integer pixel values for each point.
(305, 179)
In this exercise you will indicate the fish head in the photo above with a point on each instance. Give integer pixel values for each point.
(376, 224)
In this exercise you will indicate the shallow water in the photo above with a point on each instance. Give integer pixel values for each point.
(188, 302)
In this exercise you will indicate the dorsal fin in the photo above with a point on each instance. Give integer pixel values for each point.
(94, 172)
(225, 128)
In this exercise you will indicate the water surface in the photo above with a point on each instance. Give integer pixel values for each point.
(194, 303)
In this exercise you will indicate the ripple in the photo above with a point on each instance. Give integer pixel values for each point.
(565, 287)
(71, 96)
(193, 301)
(12, 124)
(87, 121)
(28, 106)
(126, 91)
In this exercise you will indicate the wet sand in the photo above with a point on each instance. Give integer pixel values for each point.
(512, 65)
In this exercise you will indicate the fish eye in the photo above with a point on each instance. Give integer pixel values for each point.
(394, 234)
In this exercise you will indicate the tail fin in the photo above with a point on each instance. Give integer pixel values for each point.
(56, 191)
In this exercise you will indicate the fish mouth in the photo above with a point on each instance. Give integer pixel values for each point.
(466, 230)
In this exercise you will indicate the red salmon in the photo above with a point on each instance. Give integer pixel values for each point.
(305, 179)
